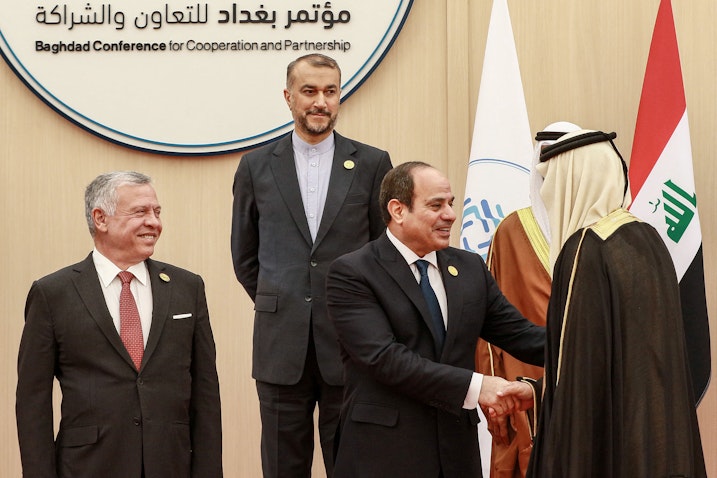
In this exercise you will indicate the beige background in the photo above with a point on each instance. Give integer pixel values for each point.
(581, 61)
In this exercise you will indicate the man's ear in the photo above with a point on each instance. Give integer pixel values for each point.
(287, 97)
(99, 218)
(397, 210)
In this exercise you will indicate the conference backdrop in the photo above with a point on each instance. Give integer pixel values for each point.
(580, 61)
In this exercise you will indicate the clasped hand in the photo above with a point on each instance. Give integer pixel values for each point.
(499, 398)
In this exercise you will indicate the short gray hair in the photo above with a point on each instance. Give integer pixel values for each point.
(102, 192)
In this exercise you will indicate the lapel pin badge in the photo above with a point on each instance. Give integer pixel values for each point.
(453, 271)
(164, 277)
(348, 164)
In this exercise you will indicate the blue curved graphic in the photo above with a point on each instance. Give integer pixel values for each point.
(189, 149)
(482, 213)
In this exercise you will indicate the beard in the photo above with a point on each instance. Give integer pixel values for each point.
(316, 129)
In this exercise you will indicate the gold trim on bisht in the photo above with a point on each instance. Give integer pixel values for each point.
(610, 223)
(535, 236)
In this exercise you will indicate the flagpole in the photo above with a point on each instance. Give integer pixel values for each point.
(497, 181)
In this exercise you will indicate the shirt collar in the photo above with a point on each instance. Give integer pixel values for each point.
(107, 270)
(305, 148)
(410, 256)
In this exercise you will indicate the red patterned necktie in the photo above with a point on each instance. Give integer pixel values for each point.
(130, 325)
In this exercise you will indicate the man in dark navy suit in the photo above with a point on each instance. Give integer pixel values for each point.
(411, 393)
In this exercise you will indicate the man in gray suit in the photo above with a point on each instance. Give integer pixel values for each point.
(130, 343)
(299, 204)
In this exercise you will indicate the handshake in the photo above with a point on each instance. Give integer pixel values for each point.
(499, 398)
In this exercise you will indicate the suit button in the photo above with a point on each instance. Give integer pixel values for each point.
(307, 298)
(140, 381)
(136, 421)
(314, 263)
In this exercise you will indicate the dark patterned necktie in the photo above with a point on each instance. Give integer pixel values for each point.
(432, 301)
(130, 325)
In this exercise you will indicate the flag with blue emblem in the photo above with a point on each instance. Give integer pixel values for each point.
(501, 154)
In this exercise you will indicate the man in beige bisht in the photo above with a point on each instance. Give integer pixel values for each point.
(617, 399)
(518, 260)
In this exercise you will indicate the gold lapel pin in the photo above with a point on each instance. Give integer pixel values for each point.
(453, 271)
(348, 164)
(164, 277)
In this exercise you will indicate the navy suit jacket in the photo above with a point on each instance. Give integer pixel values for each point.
(278, 264)
(402, 413)
(113, 417)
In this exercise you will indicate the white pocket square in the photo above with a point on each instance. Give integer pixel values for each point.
(181, 316)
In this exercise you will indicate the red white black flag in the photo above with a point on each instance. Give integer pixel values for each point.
(663, 186)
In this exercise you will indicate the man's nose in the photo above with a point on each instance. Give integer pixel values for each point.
(152, 218)
(449, 214)
(320, 100)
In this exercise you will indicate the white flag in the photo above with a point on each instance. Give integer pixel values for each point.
(502, 150)
(501, 154)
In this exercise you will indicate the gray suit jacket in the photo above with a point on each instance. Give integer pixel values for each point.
(113, 417)
(402, 413)
(281, 268)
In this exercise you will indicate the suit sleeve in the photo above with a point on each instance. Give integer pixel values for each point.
(245, 230)
(366, 335)
(35, 369)
(506, 327)
(205, 409)
(375, 218)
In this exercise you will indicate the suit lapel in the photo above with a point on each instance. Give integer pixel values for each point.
(339, 184)
(161, 295)
(393, 262)
(284, 170)
(450, 273)
(89, 289)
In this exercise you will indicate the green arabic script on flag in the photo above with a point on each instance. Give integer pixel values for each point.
(678, 214)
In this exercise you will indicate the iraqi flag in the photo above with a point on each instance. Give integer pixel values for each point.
(663, 187)
(502, 149)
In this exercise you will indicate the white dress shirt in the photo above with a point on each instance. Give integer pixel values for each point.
(313, 169)
(434, 276)
(111, 284)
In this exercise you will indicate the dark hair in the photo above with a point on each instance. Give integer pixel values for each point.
(313, 59)
(398, 184)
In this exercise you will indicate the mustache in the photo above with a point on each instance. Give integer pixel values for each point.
(318, 112)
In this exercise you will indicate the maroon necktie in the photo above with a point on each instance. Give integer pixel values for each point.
(130, 325)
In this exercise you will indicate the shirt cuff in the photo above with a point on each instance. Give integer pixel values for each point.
(471, 401)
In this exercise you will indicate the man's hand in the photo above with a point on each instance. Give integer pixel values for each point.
(500, 427)
(520, 392)
(489, 399)
(498, 398)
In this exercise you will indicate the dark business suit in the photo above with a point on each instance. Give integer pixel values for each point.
(279, 265)
(114, 418)
(402, 413)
